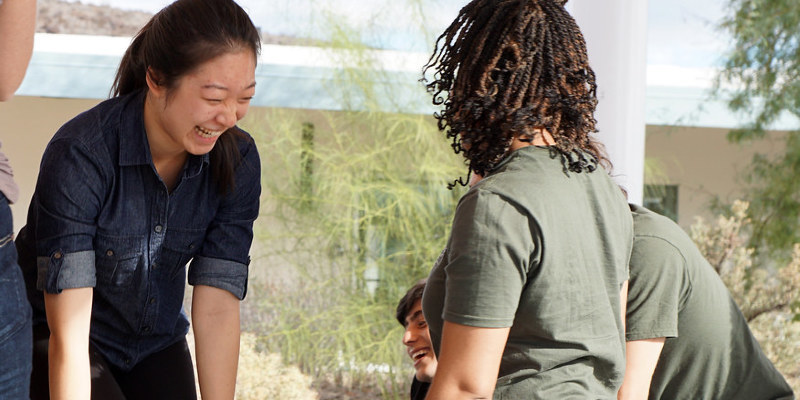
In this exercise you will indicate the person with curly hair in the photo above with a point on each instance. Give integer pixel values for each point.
(527, 298)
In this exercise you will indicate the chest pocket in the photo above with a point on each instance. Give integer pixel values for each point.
(118, 259)
(180, 245)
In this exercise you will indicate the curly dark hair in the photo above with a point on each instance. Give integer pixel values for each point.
(513, 67)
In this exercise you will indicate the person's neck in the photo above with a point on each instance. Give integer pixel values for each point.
(541, 137)
(167, 160)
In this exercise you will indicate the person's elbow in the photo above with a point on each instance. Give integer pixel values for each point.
(10, 81)
(473, 390)
(6, 93)
(462, 388)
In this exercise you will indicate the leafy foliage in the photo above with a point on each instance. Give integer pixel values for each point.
(761, 77)
(339, 248)
(355, 211)
(769, 300)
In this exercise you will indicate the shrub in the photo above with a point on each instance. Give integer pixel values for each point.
(769, 298)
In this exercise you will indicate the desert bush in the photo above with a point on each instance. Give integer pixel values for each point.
(355, 210)
(341, 241)
(768, 297)
(263, 375)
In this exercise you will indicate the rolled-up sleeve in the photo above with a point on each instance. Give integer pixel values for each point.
(224, 258)
(66, 205)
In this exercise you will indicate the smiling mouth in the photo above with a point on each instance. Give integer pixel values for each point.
(207, 133)
(419, 355)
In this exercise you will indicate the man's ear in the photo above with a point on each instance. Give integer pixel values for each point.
(155, 82)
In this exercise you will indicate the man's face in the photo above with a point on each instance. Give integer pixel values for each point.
(418, 343)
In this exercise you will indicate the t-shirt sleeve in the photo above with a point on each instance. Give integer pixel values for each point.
(488, 261)
(69, 196)
(656, 276)
(224, 257)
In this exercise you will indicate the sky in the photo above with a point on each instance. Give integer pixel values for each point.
(680, 32)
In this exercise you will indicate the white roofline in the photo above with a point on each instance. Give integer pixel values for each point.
(83, 66)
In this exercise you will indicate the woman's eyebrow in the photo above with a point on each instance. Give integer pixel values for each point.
(221, 87)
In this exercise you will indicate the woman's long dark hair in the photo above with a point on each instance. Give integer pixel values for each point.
(507, 67)
(177, 40)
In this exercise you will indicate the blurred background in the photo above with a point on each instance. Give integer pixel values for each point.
(355, 207)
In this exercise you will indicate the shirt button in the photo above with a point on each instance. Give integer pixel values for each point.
(57, 255)
(109, 252)
(152, 300)
(159, 228)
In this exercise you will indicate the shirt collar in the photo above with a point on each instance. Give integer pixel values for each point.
(134, 148)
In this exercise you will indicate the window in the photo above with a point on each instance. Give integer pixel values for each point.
(662, 199)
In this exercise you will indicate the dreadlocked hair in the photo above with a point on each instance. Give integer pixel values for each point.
(506, 67)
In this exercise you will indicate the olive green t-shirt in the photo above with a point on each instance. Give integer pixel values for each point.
(543, 252)
(674, 292)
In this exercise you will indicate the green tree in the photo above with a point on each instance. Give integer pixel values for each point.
(356, 209)
(761, 79)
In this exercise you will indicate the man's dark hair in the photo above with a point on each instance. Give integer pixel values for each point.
(506, 67)
(411, 297)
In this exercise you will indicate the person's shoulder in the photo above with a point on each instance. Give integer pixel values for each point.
(655, 234)
(652, 224)
(92, 126)
(419, 389)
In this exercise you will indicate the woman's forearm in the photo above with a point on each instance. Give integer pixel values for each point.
(17, 24)
(68, 316)
(215, 318)
(69, 370)
(641, 358)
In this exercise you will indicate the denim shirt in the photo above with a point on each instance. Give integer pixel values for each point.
(101, 217)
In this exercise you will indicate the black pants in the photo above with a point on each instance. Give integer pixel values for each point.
(168, 374)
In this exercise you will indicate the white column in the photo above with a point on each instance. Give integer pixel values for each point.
(616, 39)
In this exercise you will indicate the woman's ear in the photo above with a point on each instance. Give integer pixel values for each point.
(154, 82)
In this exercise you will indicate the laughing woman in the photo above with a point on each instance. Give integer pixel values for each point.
(132, 190)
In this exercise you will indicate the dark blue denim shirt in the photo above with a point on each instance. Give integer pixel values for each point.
(101, 217)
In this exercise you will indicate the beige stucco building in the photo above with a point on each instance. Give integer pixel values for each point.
(689, 159)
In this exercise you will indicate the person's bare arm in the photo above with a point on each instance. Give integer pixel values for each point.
(68, 316)
(468, 362)
(641, 358)
(17, 24)
(215, 318)
(623, 303)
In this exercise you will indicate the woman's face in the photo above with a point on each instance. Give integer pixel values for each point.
(203, 104)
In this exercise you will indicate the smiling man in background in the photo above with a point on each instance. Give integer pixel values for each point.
(417, 340)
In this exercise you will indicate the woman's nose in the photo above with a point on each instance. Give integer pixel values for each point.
(227, 116)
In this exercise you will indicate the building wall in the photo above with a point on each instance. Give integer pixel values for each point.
(28, 124)
(700, 161)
